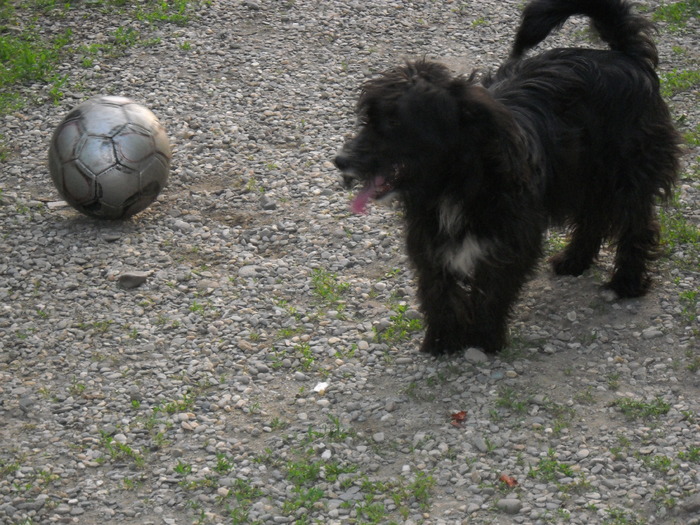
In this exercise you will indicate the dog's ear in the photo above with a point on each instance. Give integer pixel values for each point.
(429, 114)
(490, 132)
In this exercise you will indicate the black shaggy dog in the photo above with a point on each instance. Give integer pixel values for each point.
(579, 137)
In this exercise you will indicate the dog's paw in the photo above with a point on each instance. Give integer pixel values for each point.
(435, 346)
(435, 343)
(564, 264)
(490, 342)
(626, 286)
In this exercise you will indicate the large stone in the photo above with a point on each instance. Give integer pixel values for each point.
(510, 505)
(129, 280)
(474, 355)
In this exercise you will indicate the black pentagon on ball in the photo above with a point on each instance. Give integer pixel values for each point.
(109, 158)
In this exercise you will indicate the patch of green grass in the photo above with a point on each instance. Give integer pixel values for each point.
(309, 475)
(304, 472)
(613, 380)
(512, 400)
(4, 150)
(305, 355)
(555, 242)
(585, 397)
(183, 468)
(660, 463)
(170, 11)
(335, 432)
(26, 56)
(580, 486)
(131, 484)
(689, 302)
(635, 409)
(420, 488)
(76, 388)
(678, 81)
(619, 516)
(415, 392)
(692, 454)
(326, 286)
(676, 14)
(400, 491)
(562, 414)
(126, 37)
(692, 137)
(178, 405)
(196, 307)
(663, 498)
(302, 497)
(287, 332)
(121, 451)
(400, 328)
(244, 493)
(549, 469)
(8, 467)
(223, 464)
(198, 484)
(371, 512)
(676, 230)
(100, 327)
(301, 351)
(694, 364)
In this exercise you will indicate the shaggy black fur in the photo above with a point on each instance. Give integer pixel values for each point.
(579, 137)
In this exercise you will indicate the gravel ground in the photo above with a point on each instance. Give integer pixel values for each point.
(267, 370)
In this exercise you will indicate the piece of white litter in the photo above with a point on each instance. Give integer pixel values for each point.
(321, 388)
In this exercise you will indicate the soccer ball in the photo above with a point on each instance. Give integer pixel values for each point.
(109, 158)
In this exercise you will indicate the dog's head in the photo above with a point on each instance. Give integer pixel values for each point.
(417, 122)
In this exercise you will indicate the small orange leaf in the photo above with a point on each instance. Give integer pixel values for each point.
(508, 480)
(458, 418)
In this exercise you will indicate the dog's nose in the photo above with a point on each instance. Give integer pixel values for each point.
(342, 162)
(348, 181)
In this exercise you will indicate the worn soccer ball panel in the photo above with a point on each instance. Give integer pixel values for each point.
(133, 147)
(109, 158)
(96, 154)
(77, 184)
(103, 119)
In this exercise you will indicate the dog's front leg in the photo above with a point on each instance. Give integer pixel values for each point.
(442, 301)
(459, 314)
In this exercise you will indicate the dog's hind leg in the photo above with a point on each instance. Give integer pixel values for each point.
(636, 247)
(583, 248)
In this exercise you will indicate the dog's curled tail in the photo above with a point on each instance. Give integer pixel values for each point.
(614, 20)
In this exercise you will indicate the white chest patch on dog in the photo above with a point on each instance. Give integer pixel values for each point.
(450, 216)
(463, 258)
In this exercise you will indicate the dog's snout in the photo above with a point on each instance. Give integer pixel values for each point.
(341, 162)
(348, 180)
(344, 164)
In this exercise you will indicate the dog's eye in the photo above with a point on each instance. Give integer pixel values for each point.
(389, 124)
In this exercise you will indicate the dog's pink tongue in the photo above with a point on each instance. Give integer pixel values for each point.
(359, 203)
